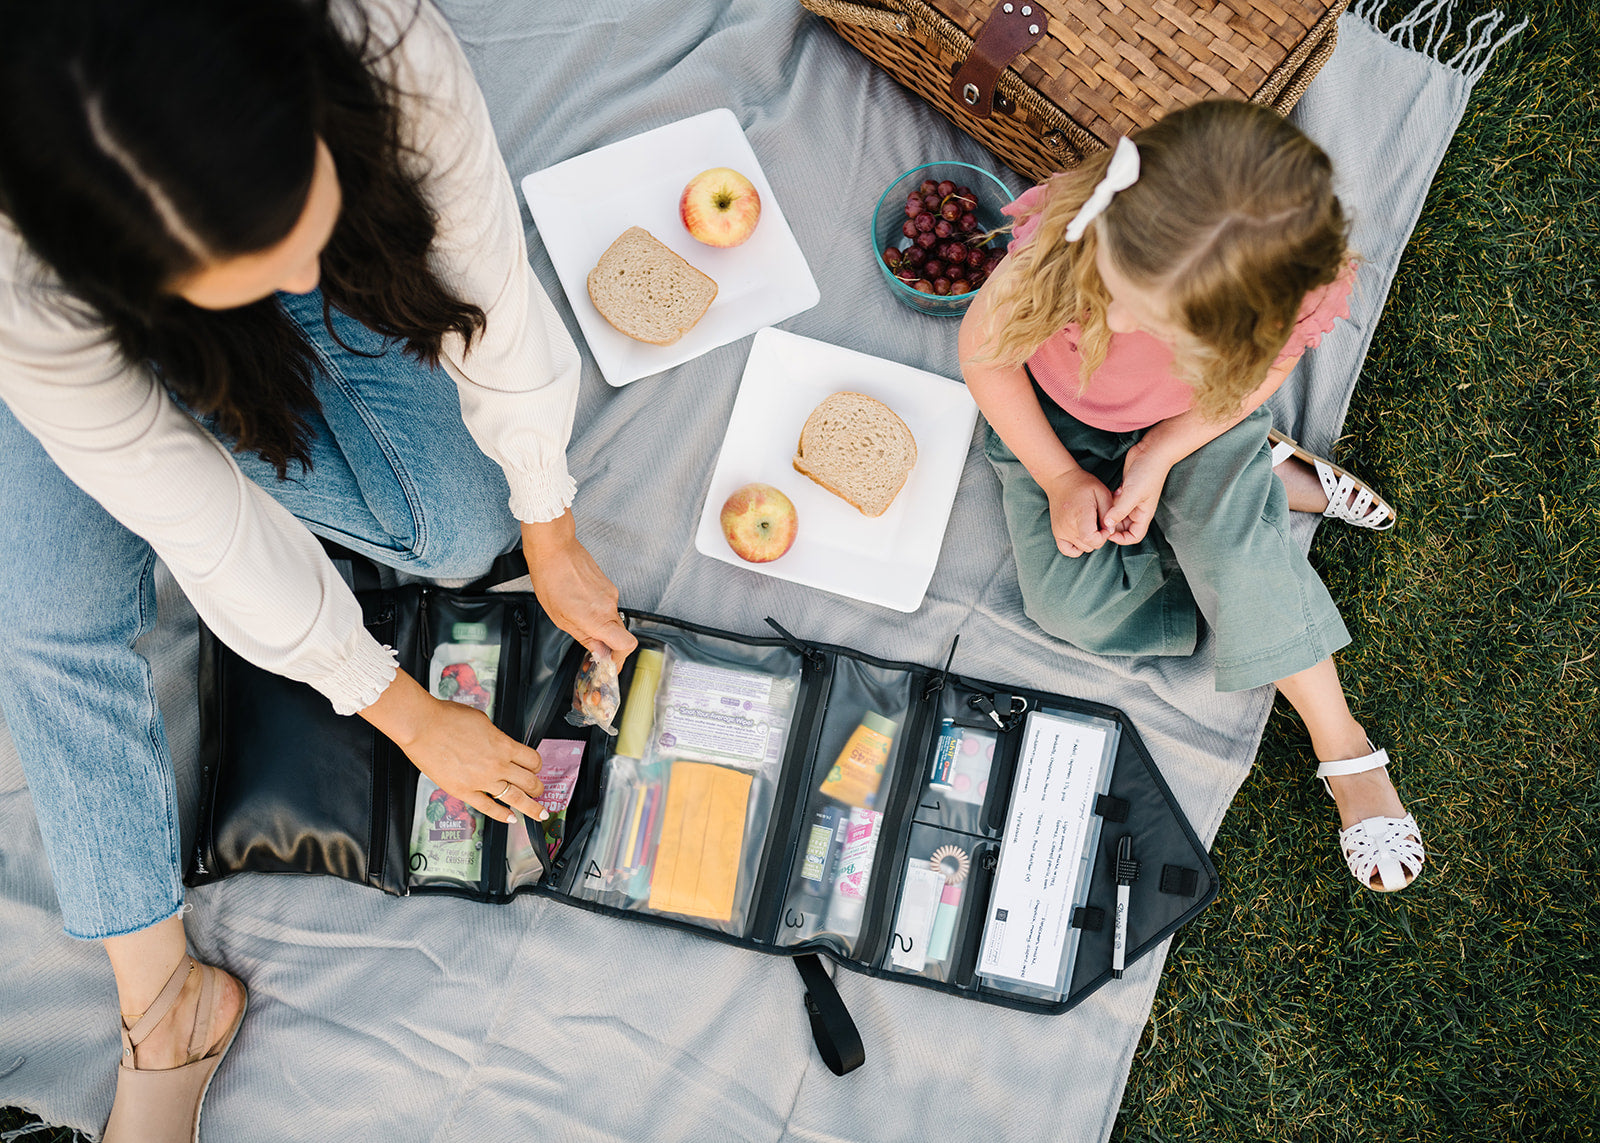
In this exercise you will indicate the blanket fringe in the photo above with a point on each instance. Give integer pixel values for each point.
(1431, 21)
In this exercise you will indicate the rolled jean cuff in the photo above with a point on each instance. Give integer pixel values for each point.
(84, 930)
(1306, 648)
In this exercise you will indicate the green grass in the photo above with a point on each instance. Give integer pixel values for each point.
(1467, 1007)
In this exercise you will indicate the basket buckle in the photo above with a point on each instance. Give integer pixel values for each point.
(1005, 35)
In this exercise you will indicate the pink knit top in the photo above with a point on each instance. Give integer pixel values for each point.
(1135, 387)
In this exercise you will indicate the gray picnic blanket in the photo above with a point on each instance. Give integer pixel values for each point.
(435, 1019)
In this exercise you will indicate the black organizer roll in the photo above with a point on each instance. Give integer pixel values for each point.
(290, 787)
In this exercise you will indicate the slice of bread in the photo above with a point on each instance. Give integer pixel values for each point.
(646, 291)
(857, 449)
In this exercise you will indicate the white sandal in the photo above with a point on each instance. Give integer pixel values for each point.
(1349, 497)
(1390, 846)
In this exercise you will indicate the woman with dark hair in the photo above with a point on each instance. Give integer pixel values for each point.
(262, 275)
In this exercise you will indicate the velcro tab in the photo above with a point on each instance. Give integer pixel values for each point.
(1179, 880)
(1112, 809)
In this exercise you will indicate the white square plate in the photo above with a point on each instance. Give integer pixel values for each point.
(582, 204)
(886, 560)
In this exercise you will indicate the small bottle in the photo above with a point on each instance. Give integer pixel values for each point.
(823, 844)
(858, 771)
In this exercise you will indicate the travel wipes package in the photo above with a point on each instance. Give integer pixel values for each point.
(789, 797)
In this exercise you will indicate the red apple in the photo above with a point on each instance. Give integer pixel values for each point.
(720, 207)
(759, 522)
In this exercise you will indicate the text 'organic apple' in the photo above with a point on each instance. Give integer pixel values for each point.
(759, 523)
(720, 207)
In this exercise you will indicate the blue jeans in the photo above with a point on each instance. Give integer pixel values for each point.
(395, 475)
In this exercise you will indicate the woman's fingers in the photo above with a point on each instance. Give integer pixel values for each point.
(522, 779)
(616, 638)
(526, 757)
(519, 799)
(487, 806)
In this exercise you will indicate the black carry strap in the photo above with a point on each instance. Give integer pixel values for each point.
(838, 1041)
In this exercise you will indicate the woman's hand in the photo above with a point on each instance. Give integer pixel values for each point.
(1144, 475)
(572, 589)
(1078, 504)
(460, 749)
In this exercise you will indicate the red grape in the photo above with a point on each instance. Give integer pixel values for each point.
(950, 212)
(969, 222)
(914, 207)
(931, 201)
(909, 228)
(913, 255)
(932, 268)
(941, 286)
(943, 229)
(926, 240)
(961, 286)
(922, 286)
(923, 223)
(891, 256)
(946, 188)
(928, 187)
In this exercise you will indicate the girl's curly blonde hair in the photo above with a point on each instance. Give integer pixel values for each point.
(1233, 217)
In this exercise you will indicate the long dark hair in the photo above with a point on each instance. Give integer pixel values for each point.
(134, 131)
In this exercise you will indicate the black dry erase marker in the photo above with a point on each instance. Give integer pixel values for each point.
(1127, 874)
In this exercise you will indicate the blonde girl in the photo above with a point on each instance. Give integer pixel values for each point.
(1151, 302)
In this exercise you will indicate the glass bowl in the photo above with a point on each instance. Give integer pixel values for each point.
(890, 216)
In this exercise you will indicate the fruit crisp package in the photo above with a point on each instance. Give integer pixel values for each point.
(446, 838)
(465, 673)
(597, 693)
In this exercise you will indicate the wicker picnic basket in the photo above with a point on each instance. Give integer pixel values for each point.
(1053, 80)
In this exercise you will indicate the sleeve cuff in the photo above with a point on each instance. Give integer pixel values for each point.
(539, 497)
(358, 682)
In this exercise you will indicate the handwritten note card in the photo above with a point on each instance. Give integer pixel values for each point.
(1047, 825)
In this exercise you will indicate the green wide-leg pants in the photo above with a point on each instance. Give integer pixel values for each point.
(1219, 545)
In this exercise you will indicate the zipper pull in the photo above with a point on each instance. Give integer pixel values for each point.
(936, 683)
(1016, 708)
(810, 654)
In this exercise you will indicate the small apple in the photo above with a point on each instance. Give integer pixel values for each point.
(759, 522)
(720, 207)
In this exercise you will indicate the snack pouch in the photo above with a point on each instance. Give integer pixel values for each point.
(446, 838)
(561, 758)
(465, 673)
(597, 693)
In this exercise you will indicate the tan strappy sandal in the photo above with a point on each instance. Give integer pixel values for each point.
(163, 1106)
(1350, 498)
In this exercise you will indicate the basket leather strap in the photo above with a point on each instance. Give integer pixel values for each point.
(838, 1041)
(1011, 29)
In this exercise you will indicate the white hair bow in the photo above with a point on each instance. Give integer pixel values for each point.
(1121, 174)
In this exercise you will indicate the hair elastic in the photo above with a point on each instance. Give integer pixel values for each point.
(953, 862)
(1121, 173)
